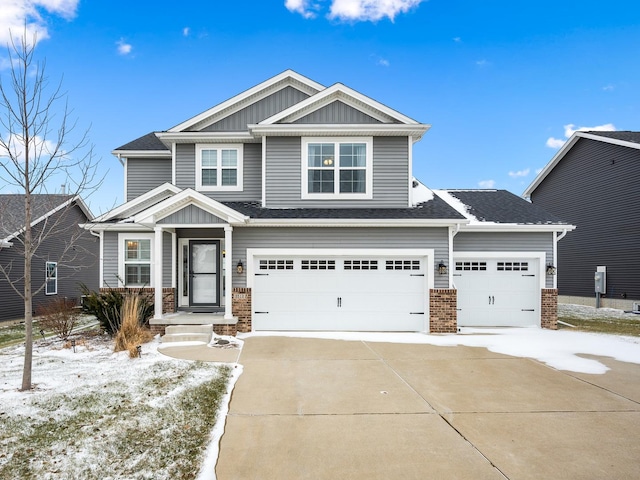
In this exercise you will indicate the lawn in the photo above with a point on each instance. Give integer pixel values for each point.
(598, 320)
(95, 414)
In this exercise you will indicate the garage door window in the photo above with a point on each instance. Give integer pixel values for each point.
(276, 265)
(360, 264)
(471, 266)
(513, 266)
(318, 265)
(403, 264)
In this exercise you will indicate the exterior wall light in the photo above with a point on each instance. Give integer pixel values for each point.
(240, 267)
(442, 268)
(551, 270)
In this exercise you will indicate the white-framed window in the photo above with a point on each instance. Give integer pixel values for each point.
(51, 278)
(135, 254)
(337, 168)
(219, 167)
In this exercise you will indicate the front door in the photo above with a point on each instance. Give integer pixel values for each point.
(203, 272)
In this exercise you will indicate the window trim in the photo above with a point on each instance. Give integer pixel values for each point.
(336, 195)
(122, 238)
(239, 147)
(47, 278)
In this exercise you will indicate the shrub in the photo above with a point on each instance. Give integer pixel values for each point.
(131, 332)
(59, 316)
(107, 307)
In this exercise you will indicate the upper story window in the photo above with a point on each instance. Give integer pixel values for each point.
(219, 167)
(337, 168)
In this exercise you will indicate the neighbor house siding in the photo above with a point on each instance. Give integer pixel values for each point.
(337, 112)
(144, 174)
(258, 111)
(433, 238)
(507, 242)
(595, 187)
(251, 172)
(390, 174)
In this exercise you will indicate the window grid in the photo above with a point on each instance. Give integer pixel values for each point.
(318, 265)
(137, 262)
(336, 168)
(276, 264)
(360, 264)
(403, 265)
(471, 266)
(513, 266)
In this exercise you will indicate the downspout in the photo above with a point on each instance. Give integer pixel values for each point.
(452, 234)
(557, 238)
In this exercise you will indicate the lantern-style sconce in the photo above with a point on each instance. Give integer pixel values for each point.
(551, 270)
(240, 267)
(442, 268)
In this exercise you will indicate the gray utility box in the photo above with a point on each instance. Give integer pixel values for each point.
(599, 278)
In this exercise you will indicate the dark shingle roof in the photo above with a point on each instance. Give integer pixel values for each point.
(624, 135)
(437, 209)
(12, 210)
(501, 206)
(146, 142)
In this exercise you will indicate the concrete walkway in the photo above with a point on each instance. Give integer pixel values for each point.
(328, 409)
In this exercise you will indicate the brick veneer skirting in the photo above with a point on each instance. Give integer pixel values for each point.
(168, 296)
(443, 304)
(241, 308)
(549, 314)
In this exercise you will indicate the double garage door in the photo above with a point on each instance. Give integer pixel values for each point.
(498, 291)
(340, 293)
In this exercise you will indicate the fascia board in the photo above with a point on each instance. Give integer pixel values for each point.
(141, 153)
(328, 92)
(507, 227)
(138, 200)
(246, 94)
(614, 141)
(204, 137)
(119, 227)
(390, 129)
(5, 244)
(346, 222)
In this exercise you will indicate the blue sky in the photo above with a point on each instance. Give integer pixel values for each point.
(501, 82)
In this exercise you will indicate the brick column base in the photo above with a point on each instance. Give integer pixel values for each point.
(549, 313)
(241, 308)
(443, 304)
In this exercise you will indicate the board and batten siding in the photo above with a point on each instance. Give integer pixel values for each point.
(337, 112)
(144, 174)
(390, 175)
(190, 215)
(595, 187)
(251, 172)
(350, 237)
(258, 111)
(507, 242)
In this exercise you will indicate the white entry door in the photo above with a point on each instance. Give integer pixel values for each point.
(350, 293)
(497, 291)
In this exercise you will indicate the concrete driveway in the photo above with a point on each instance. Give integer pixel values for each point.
(332, 409)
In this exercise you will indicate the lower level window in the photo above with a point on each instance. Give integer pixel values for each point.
(137, 262)
(51, 286)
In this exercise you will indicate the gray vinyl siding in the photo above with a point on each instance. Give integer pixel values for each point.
(191, 215)
(595, 187)
(506, 242)
(258, 111)
(390, 175)
(78, 266)
(167, 263)
(144, 174)
(251, 173)
(337, 112)
(388, 238)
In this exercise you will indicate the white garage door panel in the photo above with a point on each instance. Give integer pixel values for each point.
(497, 292)
(375, 299)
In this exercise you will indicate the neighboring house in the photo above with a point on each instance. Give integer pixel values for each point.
(67, 256)
(292, 206)
(593, 182)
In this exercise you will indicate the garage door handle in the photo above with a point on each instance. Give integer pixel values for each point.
(528, 275)
(416, 313)
(339, 302)
(492, 300)
(260, 312)
(416, 274)
(261, 274)
(528, 310)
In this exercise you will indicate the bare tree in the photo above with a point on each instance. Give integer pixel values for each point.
(39, 146)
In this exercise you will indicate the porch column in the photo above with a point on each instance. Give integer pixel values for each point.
(157, 275)
(228, 267)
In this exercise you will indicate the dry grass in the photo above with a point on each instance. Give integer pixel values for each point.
(131, 333)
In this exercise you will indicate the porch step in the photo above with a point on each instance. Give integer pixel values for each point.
(188, 333)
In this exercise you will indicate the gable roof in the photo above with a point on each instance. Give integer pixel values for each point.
(12, 214)
(621, 138)
(498, 208)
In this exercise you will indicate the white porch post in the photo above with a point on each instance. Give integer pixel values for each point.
(157, 275)
(228, 267)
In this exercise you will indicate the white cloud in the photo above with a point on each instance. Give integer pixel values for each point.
(487, 183)
(520, 173)
(570, 129)
(38, 148)
(186, 31)
(14, 14)
(124, 48)
(457, 39)
(608, 88)
(353, 10)
(482, 63)
(383, 62)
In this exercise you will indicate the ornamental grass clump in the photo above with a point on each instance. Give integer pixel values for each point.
(132, 332)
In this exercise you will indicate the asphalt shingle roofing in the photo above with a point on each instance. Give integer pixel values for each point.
(501, 206)
(12, 210)
(146, 142)
(624, 135)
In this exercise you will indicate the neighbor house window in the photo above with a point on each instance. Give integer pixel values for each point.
(337, 168)
(219, 167)
(51, 278)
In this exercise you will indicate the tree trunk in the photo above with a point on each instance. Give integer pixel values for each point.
(28, 301)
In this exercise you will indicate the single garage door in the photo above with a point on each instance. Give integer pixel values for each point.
(498, 292)
(371, 293)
